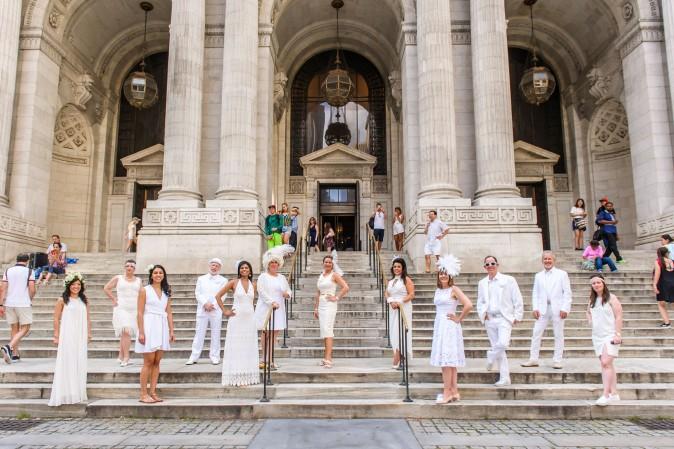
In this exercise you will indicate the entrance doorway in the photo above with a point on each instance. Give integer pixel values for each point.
(337, 205)
(537, 193)
(141, 195)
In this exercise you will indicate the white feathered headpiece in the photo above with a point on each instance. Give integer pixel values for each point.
(335, 266)
(278, 253)
(450, 265)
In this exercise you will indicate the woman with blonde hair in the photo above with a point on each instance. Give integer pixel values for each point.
(125, 311)
(325, 308)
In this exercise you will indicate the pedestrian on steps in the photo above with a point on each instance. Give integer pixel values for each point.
(399, 295)
(16, 300)
(663, 283)
(325, 308)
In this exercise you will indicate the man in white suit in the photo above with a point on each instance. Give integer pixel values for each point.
(500, 307)
(551, 300)
(208, 312)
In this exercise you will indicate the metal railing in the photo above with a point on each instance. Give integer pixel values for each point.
(268, 353)
(403, 329)
(377, 267)
(293, 282)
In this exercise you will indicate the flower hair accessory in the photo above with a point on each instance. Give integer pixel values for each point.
(150, 268)
(450, 265)
(72, 277)
(236, 265)
(397, 256)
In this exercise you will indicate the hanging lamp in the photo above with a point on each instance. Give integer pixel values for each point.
(337, 86)
(537, 83)
(140, 88)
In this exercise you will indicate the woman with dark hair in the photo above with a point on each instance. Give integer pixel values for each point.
(447, 348)
(328, 237)
(399, 294)
(398, 228)
(72, 331)
(313, 234)
(325, 308)
(667, 241)
(286, 230)
(240, 358)
(155, 329)
(663, 283)
(578, 222)
(605, 314)
(125, 308)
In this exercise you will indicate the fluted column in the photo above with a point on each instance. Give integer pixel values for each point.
(182, 141)
(410, 105)
(10, 27)
(437, 138)
(491, 90)
(239, 102)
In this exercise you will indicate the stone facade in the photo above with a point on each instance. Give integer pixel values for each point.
(227, 142)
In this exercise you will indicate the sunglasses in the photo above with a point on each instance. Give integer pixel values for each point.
(490, 264)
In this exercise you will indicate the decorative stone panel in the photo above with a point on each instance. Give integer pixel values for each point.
(22, 229)
(72, 137)
(199, 217)
(480, 216)
(651, 230)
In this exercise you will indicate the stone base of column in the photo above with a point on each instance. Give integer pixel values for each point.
(177, 198)
(185, 239)
(508, 232)
(491, 201)
(18, 235)
(649, 231)
(497, 193)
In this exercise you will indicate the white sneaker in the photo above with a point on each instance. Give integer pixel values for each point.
(502, 382)
(557, 365)
(191, 362)
(613, 397)
(215, 361)
(602, 401)
(529, 363)
(123, 364)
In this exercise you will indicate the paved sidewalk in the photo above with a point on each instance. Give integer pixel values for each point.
(333, 434)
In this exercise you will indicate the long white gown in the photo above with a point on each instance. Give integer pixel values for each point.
(271, 289)
(447, 346)
(603, 329)
(70, 374)
(327, 310)
(397, 291)
(155, 323)
(240, 358)
(124, 316)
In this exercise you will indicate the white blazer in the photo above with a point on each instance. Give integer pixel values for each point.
(559, 288)
(205, 291)
(509, 298)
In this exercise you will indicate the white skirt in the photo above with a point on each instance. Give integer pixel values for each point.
(327, 311)
(125, 319)
(156, 334)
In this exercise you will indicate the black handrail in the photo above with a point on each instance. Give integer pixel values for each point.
(402, 345)
(268, 353)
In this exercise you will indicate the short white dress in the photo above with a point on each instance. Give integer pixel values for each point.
(240, 358)
(271, 289)
(155, 323)
(447, 346)
(398, 227)
(125, 315)
(603, 329)
(327, 310)
(70, 374)
(397, 291)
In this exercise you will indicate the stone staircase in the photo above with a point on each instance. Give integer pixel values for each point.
(362, 384)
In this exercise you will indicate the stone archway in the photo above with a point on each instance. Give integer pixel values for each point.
(611, 165)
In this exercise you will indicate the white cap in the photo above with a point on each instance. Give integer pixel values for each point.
(215, 260)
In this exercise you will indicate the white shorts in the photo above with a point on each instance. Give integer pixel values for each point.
(432, 248)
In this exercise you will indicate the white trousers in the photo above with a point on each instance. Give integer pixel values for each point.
(498, 331)
(203, 321)
(558, 330)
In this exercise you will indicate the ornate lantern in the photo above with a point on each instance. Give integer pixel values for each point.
(140, 88)
(337, 85)
(537, 83)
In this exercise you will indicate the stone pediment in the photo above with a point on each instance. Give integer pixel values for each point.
(529, 153)
(338, 154)
(153, 155)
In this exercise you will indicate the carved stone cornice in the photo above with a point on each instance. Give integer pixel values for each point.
(36, 40)
(408, 35)
(641, 32)
(18, 229)
(215, 35)
(155, 219)
(649, 231)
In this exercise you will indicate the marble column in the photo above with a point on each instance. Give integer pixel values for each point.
(265, 112)
(437, 136)
(239, 102)
(491, 90)
(410, 106)
(10, 27)
(668, 20)
(182, 141)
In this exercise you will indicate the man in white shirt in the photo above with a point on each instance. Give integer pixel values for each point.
(551, 300)
(208, 312)
(435, 231)
(500, 307)
(379, 225)
(16, 295)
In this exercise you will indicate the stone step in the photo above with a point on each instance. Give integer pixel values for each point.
(202, 408)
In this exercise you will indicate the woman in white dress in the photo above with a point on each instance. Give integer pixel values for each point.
(72, 331)
(398, 228)
(125, 311)
(447, 347)
(399, 294)
(325, 308)
(240, 358)
(606, 318)
(155, 330)
(272, 290)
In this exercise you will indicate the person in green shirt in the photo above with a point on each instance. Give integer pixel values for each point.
(272, 228)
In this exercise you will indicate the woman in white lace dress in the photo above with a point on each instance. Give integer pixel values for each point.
(72, 331)
(240, 358)
(447, 347)
(326, 305)
(125, 311)
(399, 294)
